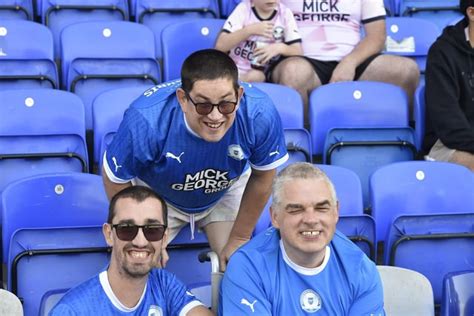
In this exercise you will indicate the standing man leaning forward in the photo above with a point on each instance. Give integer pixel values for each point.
(136, 230)
(335, 51)
(209, 148)
(302, 265)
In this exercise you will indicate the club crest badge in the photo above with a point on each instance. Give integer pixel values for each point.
(236, 152)
(310, 301)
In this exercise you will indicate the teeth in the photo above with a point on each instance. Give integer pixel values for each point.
(310, 233)
(214, 125)
(138, 254)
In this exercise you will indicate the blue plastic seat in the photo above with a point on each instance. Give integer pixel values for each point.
(227, 6)
(58, 14)
(432, 244)
(419, 187)
(52, 200)
(411, 37)
(440, 12)
(363, 150)
(419, 115)
(99, 56)
(360, 229)
(26, 64)
(107, 113)
(16, 10)
(157, 15)
(458, 294)
(298, 145)
(43, 261)
(355, 104)
(41, 131)
(180, 39)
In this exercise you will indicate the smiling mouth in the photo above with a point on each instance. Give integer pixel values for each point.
(311, 233)
(214, 125)
(139, 255)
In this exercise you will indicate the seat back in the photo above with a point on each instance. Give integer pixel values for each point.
(157, 15)
(99, 56)
(16, 10)
(432, 244)
(287, 101)
(419, 115)
(458, 293)
(11, 304)
(298, 145)
(363, 150)
(355, 104)
(41, 131)
(360, 229)
(406, 292)
(180, 39)
(24, 63)
(410, 37)
(50, 299)
(419, 187)
(54, 200)
(440, 12)
(59, 14)
(107, 113)
(45, 260)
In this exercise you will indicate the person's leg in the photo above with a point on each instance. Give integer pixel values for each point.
(463, 158)
(439, 152)
(401, 71)
(218, 234)
(299, 74)
(253, 75)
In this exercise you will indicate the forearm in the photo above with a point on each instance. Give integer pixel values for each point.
(226, 41)
(294, 49)
(255, 197)
(112, 188)
(367, 47)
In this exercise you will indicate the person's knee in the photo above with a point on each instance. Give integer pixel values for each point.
(409, 72)
(293, 72)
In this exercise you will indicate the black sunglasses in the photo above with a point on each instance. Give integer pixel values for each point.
(128, 232)
(204, 108)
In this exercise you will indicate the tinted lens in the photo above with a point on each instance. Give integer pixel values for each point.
(204, 108)
(154, 233)
(126, 232)
(226, 107)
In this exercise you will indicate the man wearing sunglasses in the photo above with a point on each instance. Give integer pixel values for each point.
(136, 231)
(209, 148)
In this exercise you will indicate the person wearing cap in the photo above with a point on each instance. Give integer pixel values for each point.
(207, 144)
(449, 93)
(130, 285)
(301, 265)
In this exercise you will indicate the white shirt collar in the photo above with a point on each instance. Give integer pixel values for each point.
(104, 281)
(304, 270)
(189, 128)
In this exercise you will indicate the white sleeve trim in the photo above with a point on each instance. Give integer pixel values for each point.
(184, 311)
(271, 166)
(109, 172)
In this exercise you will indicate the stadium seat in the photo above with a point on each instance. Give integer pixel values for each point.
(360, 229)
(41, 131)
(43, 261)
(107, 113)
(16, 10)
(99, 56)
(440, 12)
(406, 292)
(458, 294)
(419, 115)
(26, 63)
(352, 104)
(432, 244)
(298, 145)
(419, 187)
(50, 299)
(410, 37)
(287, 101)
(52, 200)
(363, 150)
(11, 304)
(58, 14)
(159, 14)
(227, 6)
(179, 40)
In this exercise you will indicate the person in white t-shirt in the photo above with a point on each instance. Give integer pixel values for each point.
(334, 49)
(256, 34)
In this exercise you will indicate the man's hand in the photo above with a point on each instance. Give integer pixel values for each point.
(267, 52)
(264, 29)
(344, 71)
(232, 245)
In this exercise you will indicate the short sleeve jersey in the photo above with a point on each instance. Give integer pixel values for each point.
(163, 295)
(155, 144)
(331, 29)
(261, 279)
(284, 30)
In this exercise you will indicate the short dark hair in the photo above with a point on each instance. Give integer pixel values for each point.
(208, 64)
(138, 193)
(464, 4)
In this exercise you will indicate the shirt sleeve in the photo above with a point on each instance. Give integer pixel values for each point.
(372, 10)
(236, 19)
(369, 293)
(62, 309)
(270, 147)
(131, 148)
(242, 291)
(180, 299)
(292, 34)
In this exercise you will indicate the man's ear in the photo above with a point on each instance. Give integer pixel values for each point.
(182, 98)
(107, 231)
(274, 217)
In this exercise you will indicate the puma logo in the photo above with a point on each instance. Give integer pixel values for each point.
(245, 302)
(276, 152)
(117, 166)
(172, 156)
